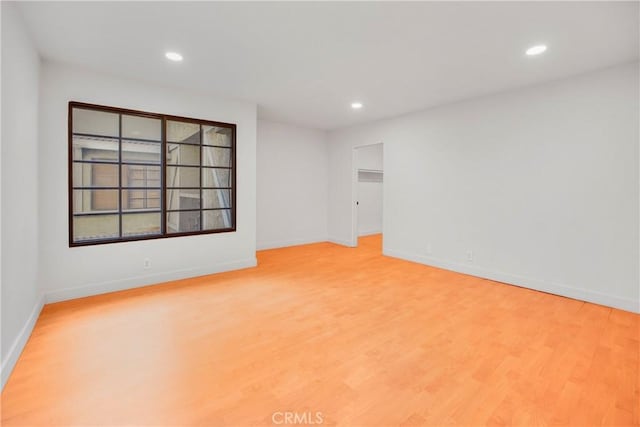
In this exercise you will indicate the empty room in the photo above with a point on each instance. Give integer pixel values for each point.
(320, 213)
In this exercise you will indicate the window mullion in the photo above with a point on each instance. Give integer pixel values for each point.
(200, 182)
(120, 175)
(163, 177)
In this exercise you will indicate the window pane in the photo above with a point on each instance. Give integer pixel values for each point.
(216, 177)
(215, 220)
(212, 199)
(95, 122)
(89, 201)
(140, 176)
(95, 175)
(181, 154)
(188, 133)
(97, 149)
(140, 199)
(216, 156)
(141, 224)
(144, 152)
(182, 222)
(213, 135)
(95, 227)
(183, 199)
(104, 175)
(141, 128)
(183, 177)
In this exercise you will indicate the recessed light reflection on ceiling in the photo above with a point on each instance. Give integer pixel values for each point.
(173, 56)
(536, 50)
(356, 105)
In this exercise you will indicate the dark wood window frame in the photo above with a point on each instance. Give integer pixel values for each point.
(163, 210)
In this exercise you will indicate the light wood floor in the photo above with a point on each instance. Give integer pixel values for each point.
(364, 339)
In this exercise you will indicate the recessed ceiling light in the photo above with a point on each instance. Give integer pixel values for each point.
(173, 56)
(536, 50)
(356, 105)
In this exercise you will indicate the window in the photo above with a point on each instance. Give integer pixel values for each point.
(136, 175)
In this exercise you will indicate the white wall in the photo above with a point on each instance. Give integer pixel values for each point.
(72, 272)
(21, 300)
(370, 189)
(370, 157)
(541, 184)
(292, 185)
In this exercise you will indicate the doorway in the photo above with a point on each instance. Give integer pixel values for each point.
(367, 192)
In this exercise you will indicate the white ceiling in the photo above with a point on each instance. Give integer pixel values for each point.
(304, 63)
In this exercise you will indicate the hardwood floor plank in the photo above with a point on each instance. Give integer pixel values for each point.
(364, 339)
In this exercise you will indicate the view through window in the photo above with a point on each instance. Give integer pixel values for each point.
(136, 175)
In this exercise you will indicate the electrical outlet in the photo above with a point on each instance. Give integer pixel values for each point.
(146, 263)
(469, 255)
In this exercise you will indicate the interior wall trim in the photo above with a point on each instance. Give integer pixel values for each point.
(146, 280)
(21, 340)
(564, 290)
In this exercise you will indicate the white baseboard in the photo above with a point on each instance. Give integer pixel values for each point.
(21, 340)
(340, 242)
(285, 243)
(140, 281)
(627, 304)
(368, 232)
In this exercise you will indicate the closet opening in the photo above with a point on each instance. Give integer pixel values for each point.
(368, 189)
